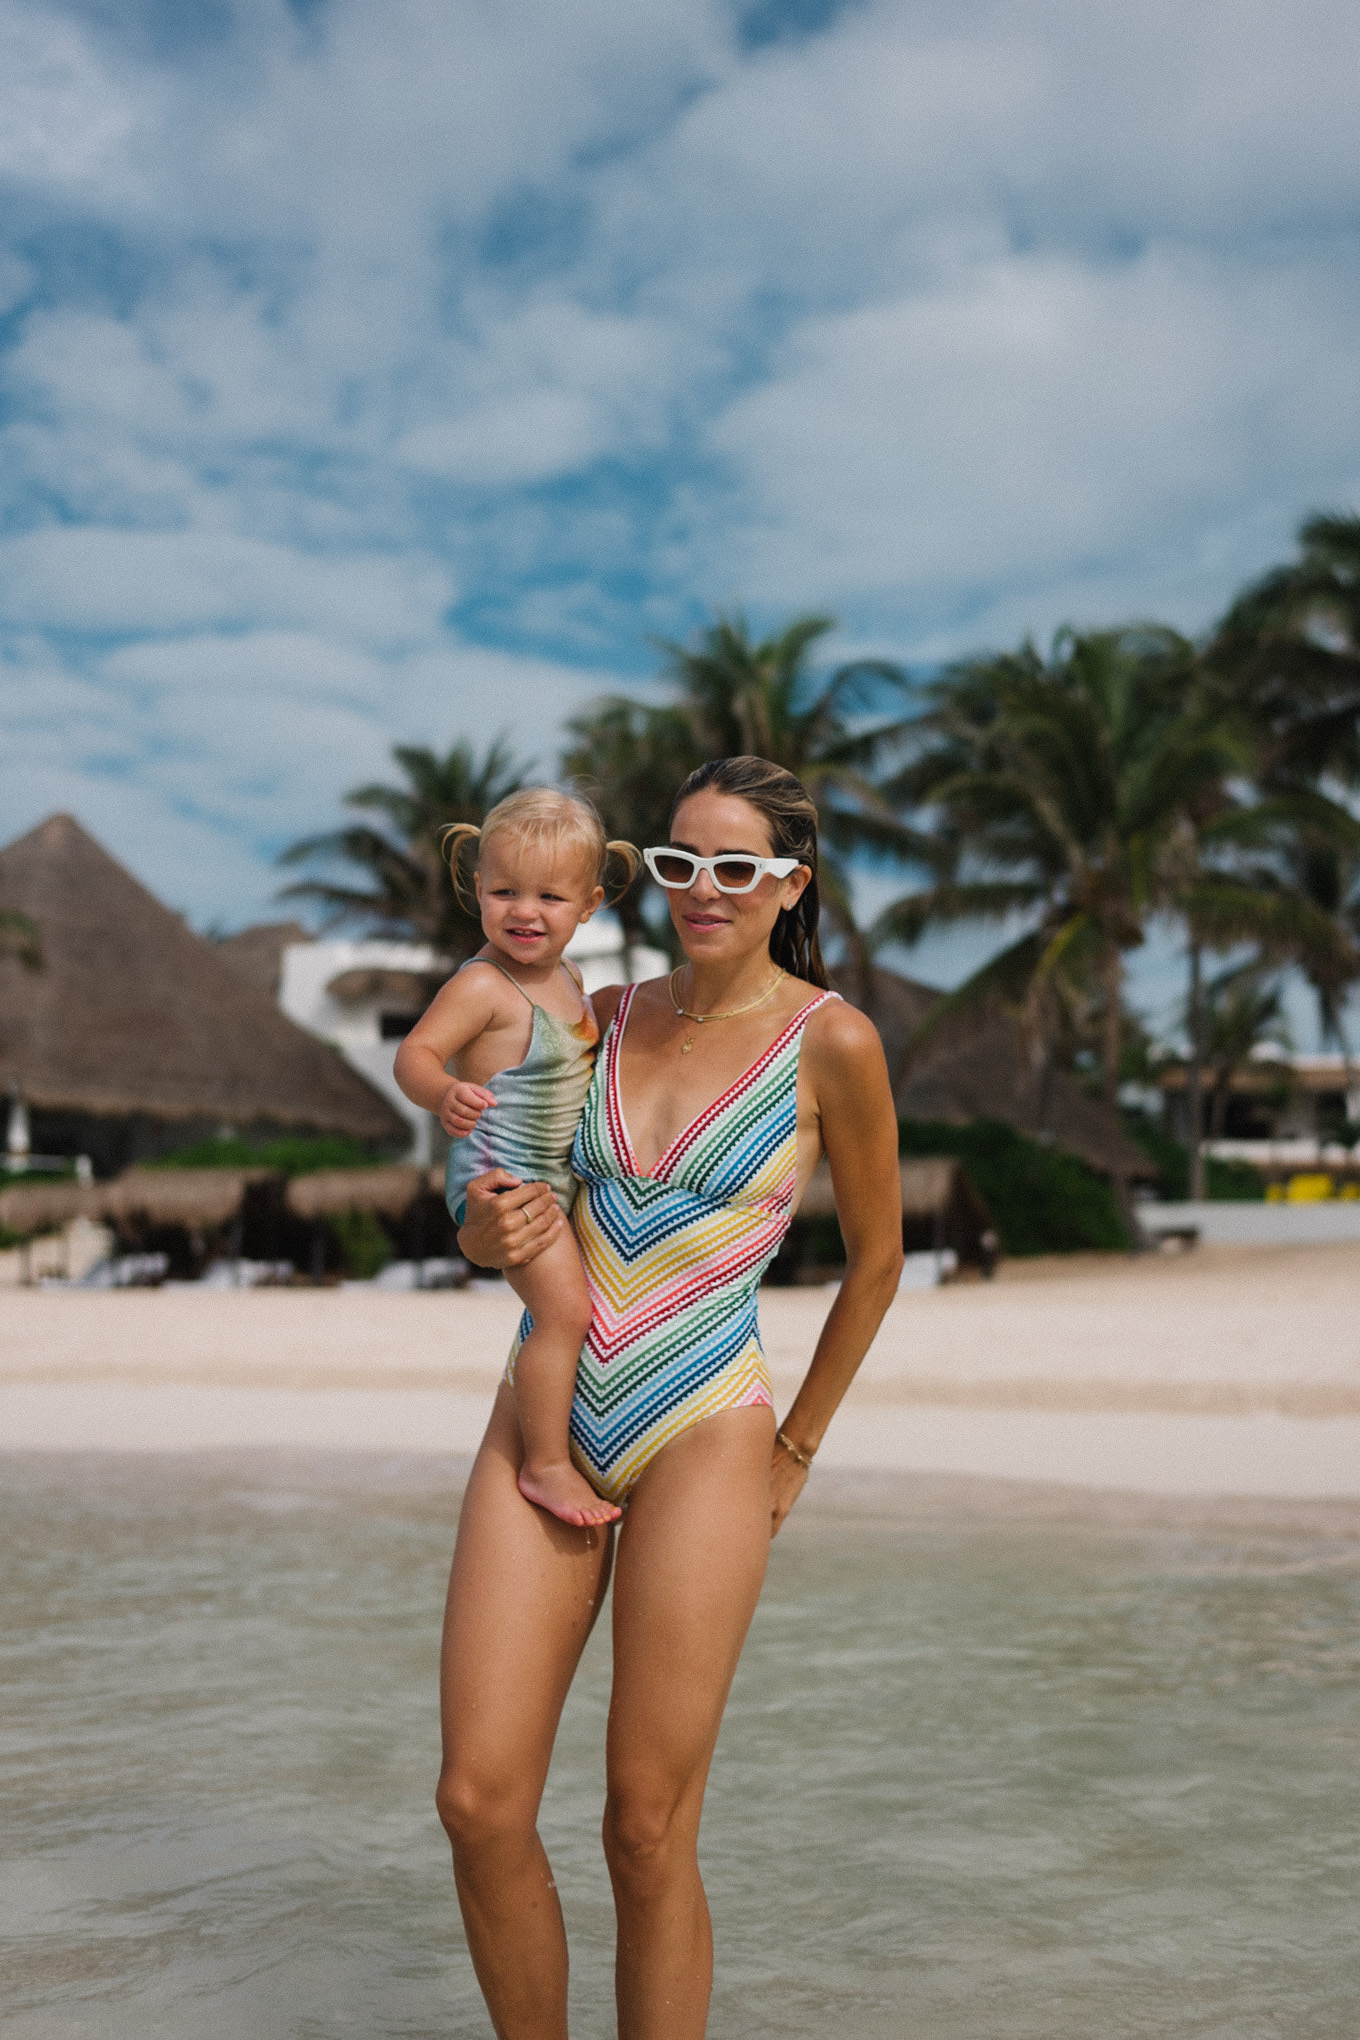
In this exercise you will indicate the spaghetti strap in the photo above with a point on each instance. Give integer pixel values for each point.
(539, 1101)
(503, 971)
(518, 986)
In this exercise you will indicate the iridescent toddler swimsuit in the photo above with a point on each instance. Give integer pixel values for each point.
(529, 1129)
(674, 1259)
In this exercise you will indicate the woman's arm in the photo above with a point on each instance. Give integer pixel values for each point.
(508, 1222)
(859, 1136)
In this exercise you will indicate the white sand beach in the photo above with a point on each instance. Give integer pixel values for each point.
(1221, 1371)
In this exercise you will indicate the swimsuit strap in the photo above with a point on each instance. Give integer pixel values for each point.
(523, 994)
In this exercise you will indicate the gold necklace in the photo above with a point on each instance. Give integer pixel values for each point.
(682, 1013)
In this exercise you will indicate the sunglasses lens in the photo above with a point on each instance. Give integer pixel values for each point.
(735, 874)
(673, 867)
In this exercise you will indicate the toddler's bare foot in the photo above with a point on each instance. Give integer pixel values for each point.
(557, 1487)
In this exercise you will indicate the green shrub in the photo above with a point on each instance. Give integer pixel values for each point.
(1043, 1200)
(292, 1155)
(1233, 1182)
(1169, 1157)
(362, 1241)
(1224, 1182)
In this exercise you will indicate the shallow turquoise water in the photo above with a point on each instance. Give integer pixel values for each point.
(1026, 1774)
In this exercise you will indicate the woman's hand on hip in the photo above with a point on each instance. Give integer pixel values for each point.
(787, 1481)
(507, 1222)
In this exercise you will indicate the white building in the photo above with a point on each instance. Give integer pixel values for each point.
(363, 997)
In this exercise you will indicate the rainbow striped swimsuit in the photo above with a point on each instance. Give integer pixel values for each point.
(674, 1259)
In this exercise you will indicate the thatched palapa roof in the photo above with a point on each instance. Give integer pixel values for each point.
(941, 1207)
(408, 990)
(134, 1013)
(980, 1067)
(199, 1199)
(390, 1191)
(256, 954)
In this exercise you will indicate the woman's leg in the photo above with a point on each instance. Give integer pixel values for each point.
(523, 1594)
(691, 1560)
(553, 1286)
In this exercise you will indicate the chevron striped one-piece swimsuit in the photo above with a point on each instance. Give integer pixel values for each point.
(674, 1259)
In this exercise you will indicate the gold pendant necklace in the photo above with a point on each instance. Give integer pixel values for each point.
(731, 1014)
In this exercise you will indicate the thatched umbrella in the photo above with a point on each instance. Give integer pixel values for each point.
(390, 1192)
(28, 1209)
(134, 1014)
(978, 1067)
(200, 1200)
(941, 1207)
(402, 1195)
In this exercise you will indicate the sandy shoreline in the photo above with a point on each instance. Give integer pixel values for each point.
(1225, 1371)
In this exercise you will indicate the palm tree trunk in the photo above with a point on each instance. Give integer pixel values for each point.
(1347, 1069)
(1195, 1072)
(1112, 1031)
(1112, 971)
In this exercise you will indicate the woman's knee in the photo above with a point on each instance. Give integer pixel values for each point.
(645, 1832)
(476, 1809)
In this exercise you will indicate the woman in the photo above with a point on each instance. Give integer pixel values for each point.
(714, 1095)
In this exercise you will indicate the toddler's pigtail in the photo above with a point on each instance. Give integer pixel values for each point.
(631, 858)
(452, 842)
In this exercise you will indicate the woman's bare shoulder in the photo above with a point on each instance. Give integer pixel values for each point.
(842, 1038)
(606, 1003)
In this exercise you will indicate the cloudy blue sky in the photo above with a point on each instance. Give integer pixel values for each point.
(376, 372)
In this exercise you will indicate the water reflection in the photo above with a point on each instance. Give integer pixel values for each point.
(981, 1775)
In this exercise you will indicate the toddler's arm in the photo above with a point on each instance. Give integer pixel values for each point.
(459, 1011)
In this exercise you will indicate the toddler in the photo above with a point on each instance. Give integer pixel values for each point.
(517, 1026)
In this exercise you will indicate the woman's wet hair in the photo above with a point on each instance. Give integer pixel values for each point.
(541, 818)
(786, 807)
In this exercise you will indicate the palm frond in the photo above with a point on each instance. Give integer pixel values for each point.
(907, 919)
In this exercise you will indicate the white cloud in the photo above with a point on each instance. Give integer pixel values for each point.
(961, 318)
(83, 578)
(64, 119)
(525, 438)
(1019, 419)
(920, 124)
(197, 758)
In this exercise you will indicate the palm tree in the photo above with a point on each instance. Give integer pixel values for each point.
(1298, 851)
(1242, 1010)
(630, 756)
(1287, 658)
(1266, 873)
(1062, 790)
(410, 890)
(732, 694)
(1286, 662)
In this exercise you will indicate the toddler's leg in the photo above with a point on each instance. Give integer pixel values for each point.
(553, 1285)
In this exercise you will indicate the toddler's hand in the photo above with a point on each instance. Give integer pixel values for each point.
(463, 1105)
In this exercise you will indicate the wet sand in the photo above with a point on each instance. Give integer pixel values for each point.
(1226, 1371)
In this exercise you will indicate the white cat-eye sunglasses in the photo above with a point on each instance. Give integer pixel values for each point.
(730, 873)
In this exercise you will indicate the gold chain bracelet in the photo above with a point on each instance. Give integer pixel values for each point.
(803, 1458)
